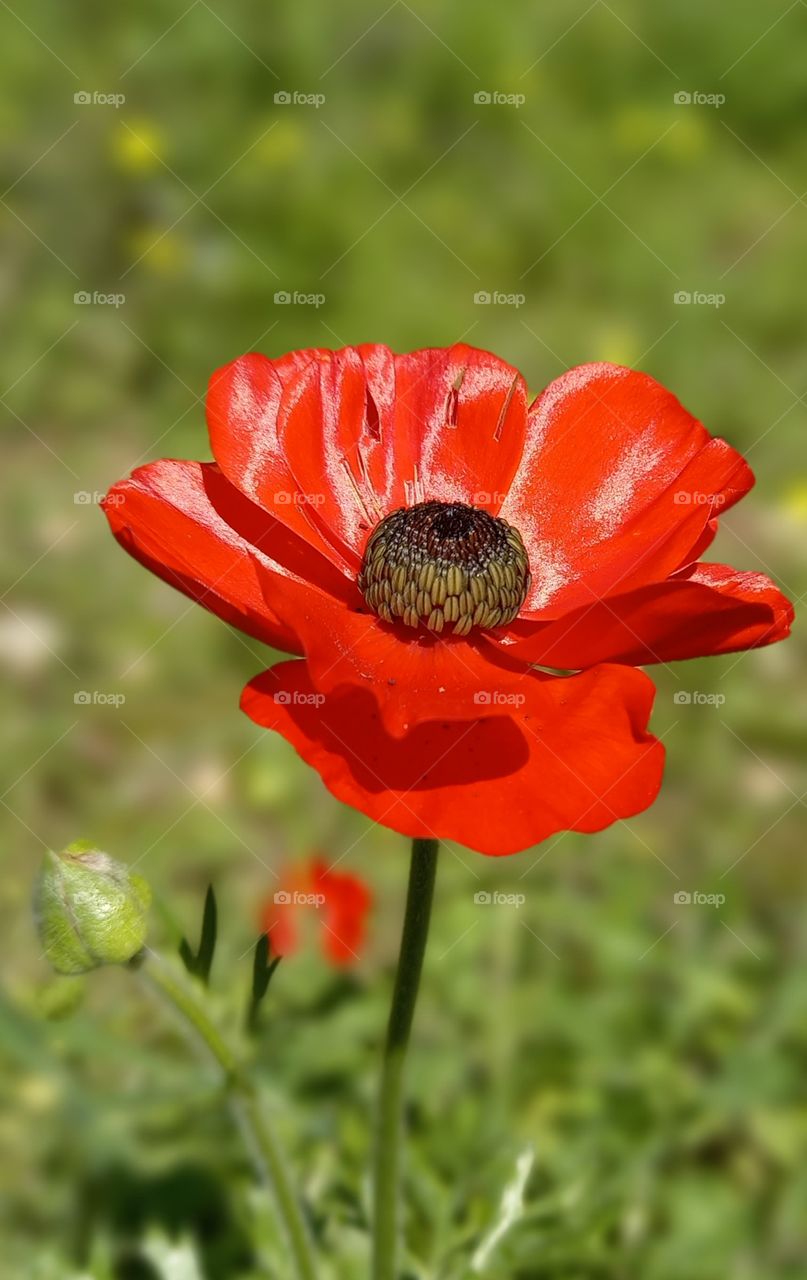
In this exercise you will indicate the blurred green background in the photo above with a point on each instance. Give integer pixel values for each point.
(651, 1055)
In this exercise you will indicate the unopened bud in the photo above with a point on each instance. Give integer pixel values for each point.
(90, 909)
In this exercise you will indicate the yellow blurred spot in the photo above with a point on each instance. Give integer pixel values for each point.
(164, 253)
(638, 127)
(689, 139)
(781, 1131)
(794, 501)
(137, 147)
(266, 787)
(618, 344)
(37, 1093)
(281, 145)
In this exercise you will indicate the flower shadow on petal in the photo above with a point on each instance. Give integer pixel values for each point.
(574, 756)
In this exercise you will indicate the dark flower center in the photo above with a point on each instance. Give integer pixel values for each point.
(445, 565)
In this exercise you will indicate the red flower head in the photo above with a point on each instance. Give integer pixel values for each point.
(427, 543)
(342, 901)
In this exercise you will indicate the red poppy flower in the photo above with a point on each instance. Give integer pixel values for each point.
(427, 542)
(342, 901)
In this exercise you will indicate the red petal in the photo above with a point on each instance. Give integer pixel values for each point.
(713, 609)
(330, 442)
(342, 909)
(705, 541)
(616, 486)
(371, 432)
(573, 756)
(414, 676)
(186, 523)
(279, 923)
(247, 401)
(460, 421)
(331, 436)
(347, 904)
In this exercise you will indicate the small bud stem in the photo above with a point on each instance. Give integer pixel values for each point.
(386, 1171)
(245, 1106)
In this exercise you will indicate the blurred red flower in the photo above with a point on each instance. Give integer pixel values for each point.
(427, 542)
(341, 900)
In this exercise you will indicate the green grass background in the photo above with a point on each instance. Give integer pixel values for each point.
(652, 1056)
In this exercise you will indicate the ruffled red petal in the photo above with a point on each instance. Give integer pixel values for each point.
(347, 904)
(708, 610)
(616, 486)
(188, 525)
(371, 432)
(248, 401)
(331, 435)
(342, 902)
(278, 920)
(615, 489)
(414, 676)
(573, 755)
(331, 441)
(460, 421)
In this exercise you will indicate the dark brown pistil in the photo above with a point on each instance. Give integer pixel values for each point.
(446, 566)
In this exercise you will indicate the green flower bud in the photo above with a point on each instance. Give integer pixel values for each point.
(90, 910)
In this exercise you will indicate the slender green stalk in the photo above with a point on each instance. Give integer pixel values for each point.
(407, 980)
(245, 1107)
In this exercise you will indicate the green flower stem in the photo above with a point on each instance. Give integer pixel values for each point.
(407, 980)
(245, 1107)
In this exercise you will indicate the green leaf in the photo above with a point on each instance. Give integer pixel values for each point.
(199, 963)
(262, 971)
